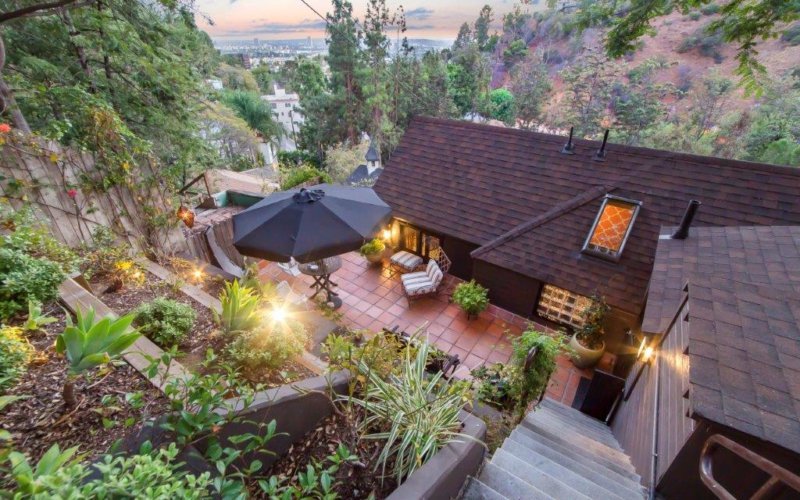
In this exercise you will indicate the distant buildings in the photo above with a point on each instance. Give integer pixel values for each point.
(285, 108)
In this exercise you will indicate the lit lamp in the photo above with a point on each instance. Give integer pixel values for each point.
(197, 274)
(278, 314)
(645, 354)
(387, 234)
(186, 215)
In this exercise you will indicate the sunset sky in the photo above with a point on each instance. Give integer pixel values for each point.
(289, 19)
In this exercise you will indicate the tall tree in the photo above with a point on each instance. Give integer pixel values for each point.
(377, 80)
(530, 84)
(640, 104)
(256, 112)
(588, 86)
(468, 77)
(482, 25)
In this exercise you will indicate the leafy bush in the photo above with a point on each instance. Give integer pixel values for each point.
(792, 35)
(239, 308)
(104, 253)
(382, 354)
(494, 385)
(268, 347)
(694, 16)
(290, 159)
(24, 278)
(373, 247)
(31, 236)
(707, 43)
(471, 297)
(591, 333)
(414, 414)
(36, 319)
(296, 176)
(87, 344)
(164, 321)
(149, 474)
(709, 9)
(316, 482)
(15, 354)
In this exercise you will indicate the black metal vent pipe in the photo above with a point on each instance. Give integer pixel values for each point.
(683, 230)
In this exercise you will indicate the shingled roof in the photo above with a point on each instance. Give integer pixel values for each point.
(744, 324)
(530, 207)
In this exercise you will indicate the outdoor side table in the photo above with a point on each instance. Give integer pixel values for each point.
(321, 271)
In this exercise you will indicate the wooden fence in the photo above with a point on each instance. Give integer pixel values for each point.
(47, 176)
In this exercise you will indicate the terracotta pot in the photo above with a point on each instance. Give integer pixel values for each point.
(374, 258)
(584, 357)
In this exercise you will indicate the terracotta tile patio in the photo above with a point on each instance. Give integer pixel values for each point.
(373, 298)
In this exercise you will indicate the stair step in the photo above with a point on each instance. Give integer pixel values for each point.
(562, 432)
(519, 443)
(509, 485)
(551, 418)
(476, 490)
(574, 478)
(528, 472)
(573, 413)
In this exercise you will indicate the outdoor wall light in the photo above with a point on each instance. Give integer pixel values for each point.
(646, 353)
(387, 234)
(186, 215)
(197, 274)
(278, 314)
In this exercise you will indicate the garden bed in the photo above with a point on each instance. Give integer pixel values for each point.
(112, 401)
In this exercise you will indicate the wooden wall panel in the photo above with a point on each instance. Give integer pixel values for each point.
(633, 425)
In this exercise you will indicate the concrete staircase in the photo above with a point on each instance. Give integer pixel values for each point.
(557, 452)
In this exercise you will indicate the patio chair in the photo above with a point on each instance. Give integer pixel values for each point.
(404, 261)
(422, 283)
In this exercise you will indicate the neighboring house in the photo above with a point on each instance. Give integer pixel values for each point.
(544, 229)
(724, 305)
(367, 174)
(286, 109)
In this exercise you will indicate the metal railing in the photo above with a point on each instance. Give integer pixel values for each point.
(778, 476)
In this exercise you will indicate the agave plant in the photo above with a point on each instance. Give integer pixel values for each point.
(415, 413)
(36, 320)
(239, 308)
(88, 344)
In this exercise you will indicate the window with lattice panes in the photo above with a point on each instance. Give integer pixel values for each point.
(562, 306)
(612, 227)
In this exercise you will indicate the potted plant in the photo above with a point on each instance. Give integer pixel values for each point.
(373, 250)
(471, 297)
(587, 341)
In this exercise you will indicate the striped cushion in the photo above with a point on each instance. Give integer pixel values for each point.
(416, 275)
(406, 260)
(419, 288)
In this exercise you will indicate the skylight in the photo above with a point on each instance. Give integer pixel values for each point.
(611, 228)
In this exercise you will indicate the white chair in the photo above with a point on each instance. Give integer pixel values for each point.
(422, 283)
(405, 261)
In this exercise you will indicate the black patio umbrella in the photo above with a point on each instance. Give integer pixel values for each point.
(309, 224)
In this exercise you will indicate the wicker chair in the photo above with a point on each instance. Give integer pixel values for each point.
(422, 283)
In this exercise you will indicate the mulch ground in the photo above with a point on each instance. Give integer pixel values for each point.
(102, 415)
(353, 480)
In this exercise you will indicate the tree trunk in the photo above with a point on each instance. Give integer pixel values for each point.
(7, 101)
(69, 393)
(79, 51)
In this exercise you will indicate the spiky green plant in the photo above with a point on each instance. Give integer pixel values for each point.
(415, 413)
(87, 344)
(239, 308)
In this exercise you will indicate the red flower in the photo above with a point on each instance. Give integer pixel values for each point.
(5, 128)
(72, 193)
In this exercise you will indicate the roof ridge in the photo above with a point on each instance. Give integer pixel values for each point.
(555, 212)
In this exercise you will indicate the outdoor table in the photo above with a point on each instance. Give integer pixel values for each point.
(321, 271)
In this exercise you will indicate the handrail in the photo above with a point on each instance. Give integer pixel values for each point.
(778, 475)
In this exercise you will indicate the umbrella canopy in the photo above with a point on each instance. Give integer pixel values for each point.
(309, 224)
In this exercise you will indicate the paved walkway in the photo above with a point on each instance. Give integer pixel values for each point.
(373, 299)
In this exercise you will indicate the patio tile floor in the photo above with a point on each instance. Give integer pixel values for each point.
(373, 298)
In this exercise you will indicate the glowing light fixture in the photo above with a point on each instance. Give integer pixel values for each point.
(646, 352)
(387, 235)
(197, 274)
(186, 215)
(278, 314)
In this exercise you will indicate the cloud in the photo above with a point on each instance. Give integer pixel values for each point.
(419, 13)
(278, 28)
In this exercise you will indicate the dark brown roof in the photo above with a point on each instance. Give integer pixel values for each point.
(767, 255)
(534, 206)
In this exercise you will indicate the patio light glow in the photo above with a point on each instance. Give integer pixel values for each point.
(197, 274)
(387, 235)
(647, 356)
(278, 314)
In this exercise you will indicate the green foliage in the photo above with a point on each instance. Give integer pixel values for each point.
(694, 16)
(494, 385)
(515, 52)
(24, 278)
(373, 247)
(151, 474)
(31, 236)
(531, 87)
(264, 78)
(267, 348)
(296, 176)
(15, 354)
(104, 253)
(706, 42)
(482, 25)
(255, 111)
(710, 9)
(467, 78)
(291, 159)
(381, 354)
(502, 106)
(239, 308)
(590, 334)
(588, 86)
(317, 481)
(36, 320)
(792, 35)
(87, 343)
(413, 414)
(471, 297)
(164, 321)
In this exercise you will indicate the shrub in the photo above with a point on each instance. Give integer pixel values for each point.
(382, 354)
(31, 236)
(471, 297)
(707, 43)
(24, 278)
(268, 347)
(709, 9)
(532, 376)
(316, 481)
(373, 247)
(151, 474)
(591, 333)
(164, 321)
(296, 176)
(694, 16)
(87, 344)
(414, 414)
(239, 308)
(15, 354)
(104, 253)
(792, 35)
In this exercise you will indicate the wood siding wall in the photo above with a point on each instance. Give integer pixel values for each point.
(634, 424)
(458, 251)
(507, 289)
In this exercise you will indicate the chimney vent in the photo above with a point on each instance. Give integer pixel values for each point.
(683, 230)
(569, 148)
(601, 153)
